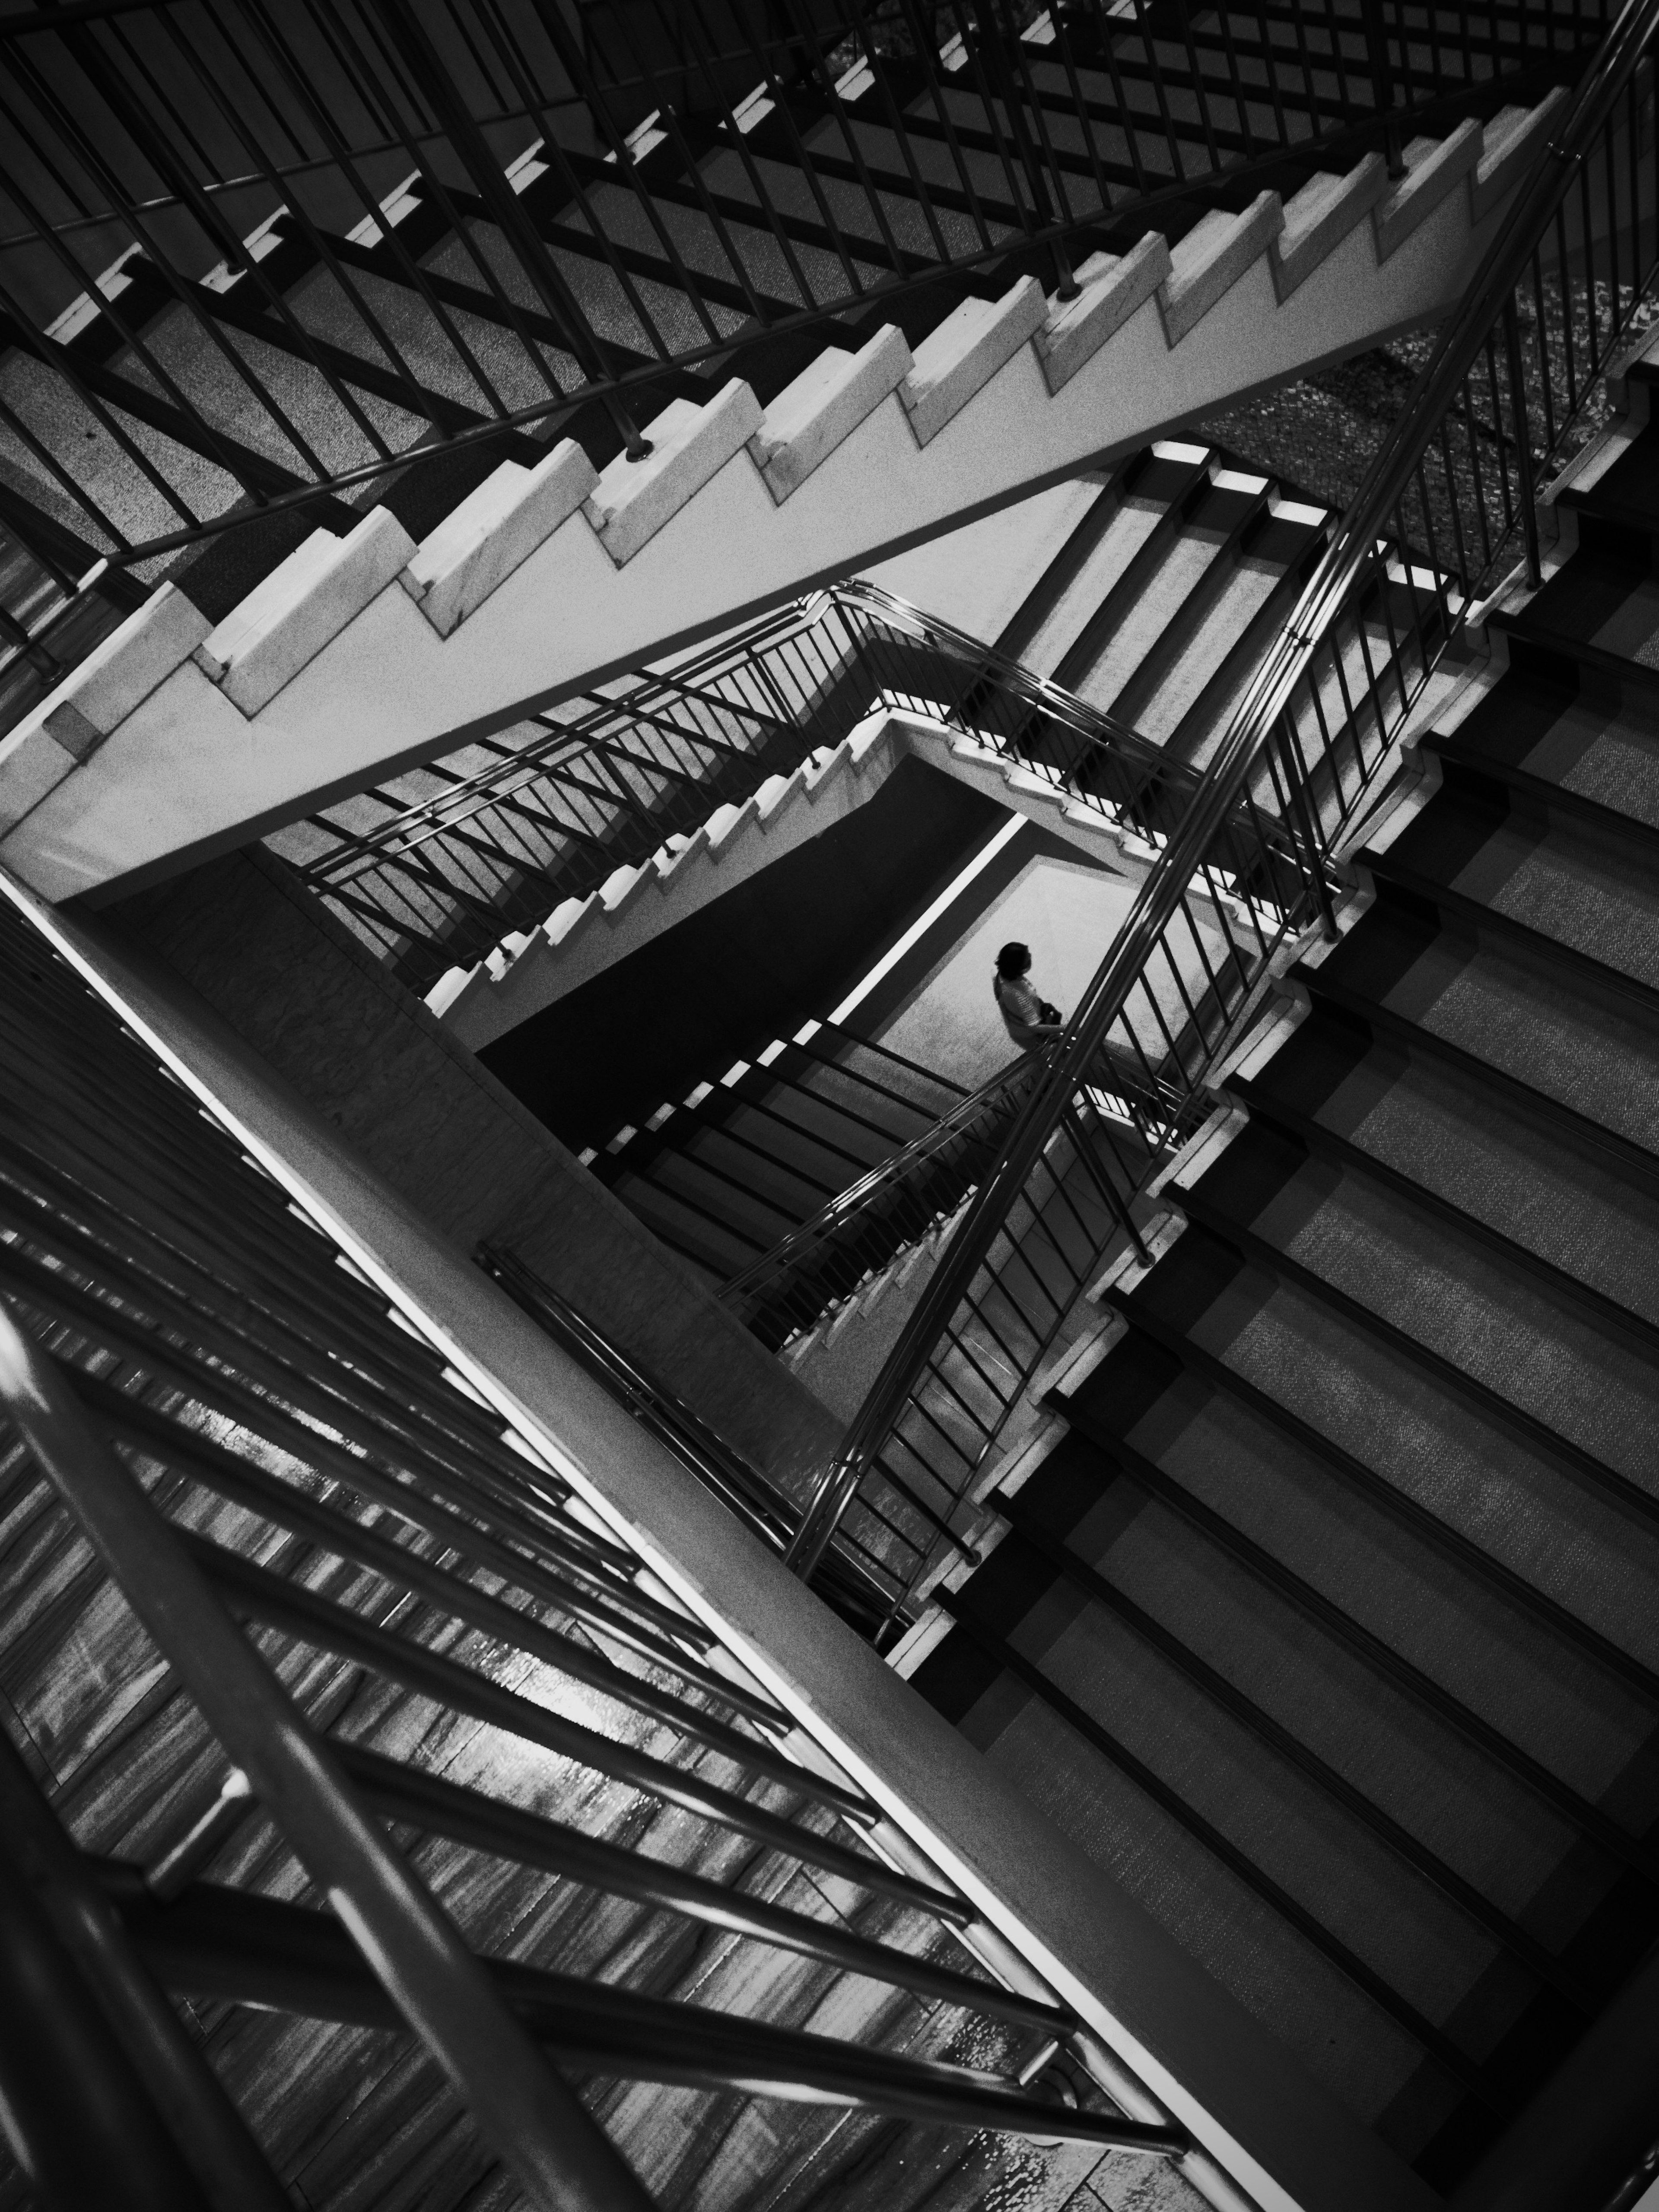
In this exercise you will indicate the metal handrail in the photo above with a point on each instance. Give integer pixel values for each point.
(858, 1197)
(176, 1242)
(441, 881)
(1347, 565)
(844, 1580)
(448, 86)
(558, 2152)
(1093, 723)
(1011, 675)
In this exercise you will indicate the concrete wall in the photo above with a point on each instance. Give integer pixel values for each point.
(1067, 911)
(978, 576)
(452, 1141)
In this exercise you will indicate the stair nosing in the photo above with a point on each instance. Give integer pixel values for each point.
(1480, 1398)
(1578, 1811)
(1461, 1893)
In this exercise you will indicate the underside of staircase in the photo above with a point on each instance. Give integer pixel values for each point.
(541, 852)
(309, 652)
(1321, 1612)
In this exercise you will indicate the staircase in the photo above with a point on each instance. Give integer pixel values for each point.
(1158, 608)
(1323, 1616)
(557, 851)
(376, 613)
(340, 1571)
(721, 1175)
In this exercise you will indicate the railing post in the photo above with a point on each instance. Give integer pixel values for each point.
(1520, 430)
(183, 2088)
(1380, 69)
(532, 2121)
(1297, 790)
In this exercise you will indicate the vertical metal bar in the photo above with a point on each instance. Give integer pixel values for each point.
(1380, 69)
(180, 2084)
(922, 36)
(1314, 873)
(537, 2128)
(71, 2105)
(1522, 439)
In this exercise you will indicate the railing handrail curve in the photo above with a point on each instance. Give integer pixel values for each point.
(858, 1195)
(1352, 551)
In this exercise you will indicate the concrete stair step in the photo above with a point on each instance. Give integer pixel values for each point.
(378, 646)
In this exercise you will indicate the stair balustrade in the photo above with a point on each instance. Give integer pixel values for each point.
(853, 1577)
(438, 884)
(371, 1713)
(403, 237)
(1448, 505)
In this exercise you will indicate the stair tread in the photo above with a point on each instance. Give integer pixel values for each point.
(1467, 1147)
(1281, 1980)
(1358, 1889)
(1206, 646)
(1550, 1034)
(1489, 1320)
(1500, 1663)
(1347, 1384)
(1562, 881)
(1419, 1772)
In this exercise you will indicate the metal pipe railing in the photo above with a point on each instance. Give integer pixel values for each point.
(334, 1547)
(1280, 727)
(785, 142)
(808, 1239)
(540, 2128)
(437, 884)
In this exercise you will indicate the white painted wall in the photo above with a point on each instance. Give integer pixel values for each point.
(977, 577)
(1066, 911)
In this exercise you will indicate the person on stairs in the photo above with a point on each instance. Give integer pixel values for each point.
(1028, 1019)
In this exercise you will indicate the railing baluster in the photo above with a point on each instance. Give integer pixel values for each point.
(1159, 956)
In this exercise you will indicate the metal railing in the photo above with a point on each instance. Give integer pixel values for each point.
(259, 1492)
(886, 1212)
(258, 257)
(436, 884)
(850, 1577)
(1505, 395)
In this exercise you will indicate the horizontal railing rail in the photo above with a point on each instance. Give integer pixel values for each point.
(394, 231)
(1505, 394)
(852, 1578)
(336, 1572)
(436, 884)
(966, 1124)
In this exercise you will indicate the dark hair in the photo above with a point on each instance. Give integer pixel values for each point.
(1013, 960)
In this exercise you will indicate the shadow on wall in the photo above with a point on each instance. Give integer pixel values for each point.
(777, 949)
(1065, 908)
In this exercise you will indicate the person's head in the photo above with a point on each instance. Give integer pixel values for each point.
(1013, 961)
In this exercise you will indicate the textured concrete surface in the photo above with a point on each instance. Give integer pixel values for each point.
(453, 1141)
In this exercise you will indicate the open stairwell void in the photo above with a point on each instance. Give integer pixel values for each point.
(1169, 588)
(723, 1175)
(1326, 1620)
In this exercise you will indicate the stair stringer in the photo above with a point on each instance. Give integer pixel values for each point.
(714, 525)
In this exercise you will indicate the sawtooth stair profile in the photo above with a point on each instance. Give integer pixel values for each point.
(180, 735)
